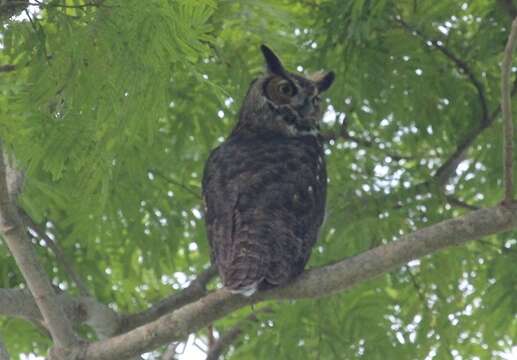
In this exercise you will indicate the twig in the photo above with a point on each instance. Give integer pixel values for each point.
(44, 5)
(7, 68)
(231, 336)
(170, 352)
(59, 254)
(457, 202)
(507, 114)
(211, 338)
(343, 133)
(37, 280)
(193, 292)
(4, 355)
(416, 285)
(460, 64)
(446, 170)
(176, 183)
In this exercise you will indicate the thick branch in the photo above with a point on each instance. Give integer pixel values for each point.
(21, 248)
(506, 107)
(20, 303)
(311, 284)
(193, 292)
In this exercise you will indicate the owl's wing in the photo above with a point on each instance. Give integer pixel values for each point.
(264, 206)
(231, 220)
(218, 205)
(301, 202)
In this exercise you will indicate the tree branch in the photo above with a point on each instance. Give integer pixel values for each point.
(460, 64)
(507, 114)
(20, 303)
(232, 335)
(343, 133)
(51, 5)
(508, 7)
(313, 283)
(446, 170)
(170, 352)
(193, 292)
(23, 252)
(59, 254)
(457, 202)
(226, 340)
(10, 8)
(176, 183)
(7, 68)
(4, 355)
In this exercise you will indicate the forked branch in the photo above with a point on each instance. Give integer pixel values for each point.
(16, 239)
(191, 293)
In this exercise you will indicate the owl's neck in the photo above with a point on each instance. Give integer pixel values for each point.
(289, 131)
(245, 131)
(271, 124)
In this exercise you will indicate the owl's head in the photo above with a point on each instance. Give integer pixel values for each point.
(283, 102)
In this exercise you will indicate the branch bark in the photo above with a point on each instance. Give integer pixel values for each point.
(4, 355)
(311, 284)
(506, 107)
(20, 303)
(193, 292)
(21, 248)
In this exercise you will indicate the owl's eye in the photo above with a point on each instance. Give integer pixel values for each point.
(316, 101)
(285, 88)
(280, 90)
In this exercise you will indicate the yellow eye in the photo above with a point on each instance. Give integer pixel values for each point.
(285, 88)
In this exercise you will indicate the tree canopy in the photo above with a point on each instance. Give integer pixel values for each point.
(110, 108)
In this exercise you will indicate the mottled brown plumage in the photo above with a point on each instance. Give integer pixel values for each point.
(264, 188)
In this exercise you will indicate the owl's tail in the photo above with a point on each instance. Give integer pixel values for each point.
(245, 272)
(246, 291)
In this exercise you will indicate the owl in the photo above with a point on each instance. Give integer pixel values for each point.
(264, 187)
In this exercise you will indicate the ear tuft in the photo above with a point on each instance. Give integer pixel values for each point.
(323, 79)
(272, 61)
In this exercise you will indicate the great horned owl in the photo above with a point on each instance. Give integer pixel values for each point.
(264, 188)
